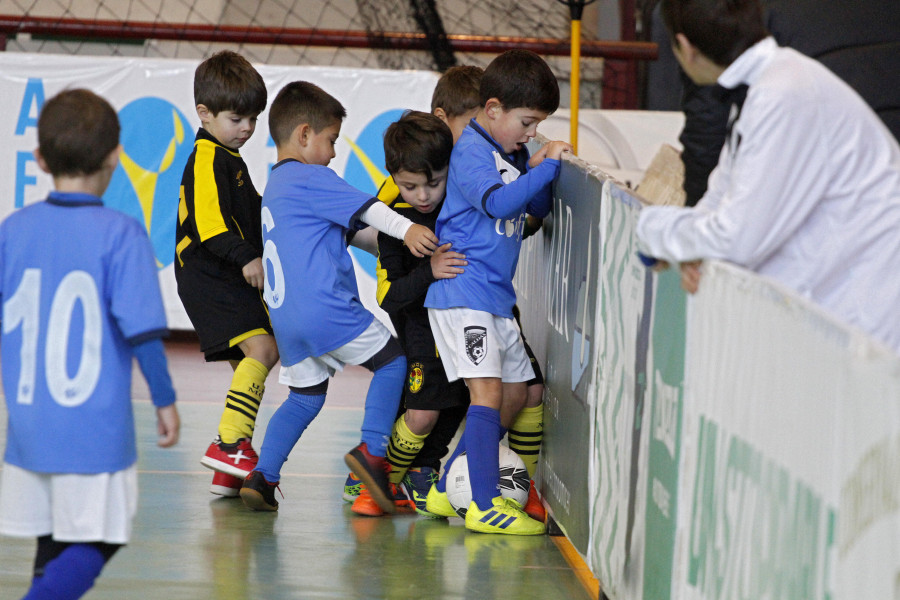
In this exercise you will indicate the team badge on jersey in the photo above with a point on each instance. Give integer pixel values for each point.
(416, 377)
(476, 343)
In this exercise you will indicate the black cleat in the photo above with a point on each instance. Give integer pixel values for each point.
(259, 494)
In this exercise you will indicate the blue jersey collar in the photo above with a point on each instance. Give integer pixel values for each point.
(284, 161)
(518, 159)
(74, 199)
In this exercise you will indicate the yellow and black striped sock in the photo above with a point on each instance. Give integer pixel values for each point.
(242, 401)
(402, 449)
(526, 434)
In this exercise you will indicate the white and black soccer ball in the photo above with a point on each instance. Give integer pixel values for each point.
(514, 480)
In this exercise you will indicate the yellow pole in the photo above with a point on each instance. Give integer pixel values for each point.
(574, 82)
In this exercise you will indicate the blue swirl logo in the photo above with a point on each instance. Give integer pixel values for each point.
(156, 143)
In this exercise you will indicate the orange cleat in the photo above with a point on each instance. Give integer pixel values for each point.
(366, 505)
(533, 507)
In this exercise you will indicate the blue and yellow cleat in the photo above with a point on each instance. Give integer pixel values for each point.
(417, 483)
(437, 503)
(352, 488)
(505, 516)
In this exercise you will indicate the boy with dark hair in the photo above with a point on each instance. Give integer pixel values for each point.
(70, 477)
(218, 262)
(310, 288)
(417, 155)
(492, 183)
(795, 195)
(455, 101)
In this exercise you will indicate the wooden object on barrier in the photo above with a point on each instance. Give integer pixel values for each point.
(662, 183)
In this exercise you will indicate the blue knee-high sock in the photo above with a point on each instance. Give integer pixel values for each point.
(284, 430)
(382, 401)
(68, 576)
(460, 448)
(482, 428)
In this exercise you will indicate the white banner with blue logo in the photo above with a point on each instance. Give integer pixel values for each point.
(154, 99)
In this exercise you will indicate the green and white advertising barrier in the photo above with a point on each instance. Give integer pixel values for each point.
(736, 444)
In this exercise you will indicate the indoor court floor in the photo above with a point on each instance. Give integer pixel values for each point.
(189, 544)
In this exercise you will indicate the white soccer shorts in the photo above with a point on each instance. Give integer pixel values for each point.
(317, 369)
(72, 507)
(474, 343)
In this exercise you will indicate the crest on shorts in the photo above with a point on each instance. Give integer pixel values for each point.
(476, 343)
(416, 377)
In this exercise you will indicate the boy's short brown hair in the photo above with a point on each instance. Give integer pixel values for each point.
(77, 129)
(302, 102)
(457, 91)
(418, 142)
(520, 79)
(227, 81)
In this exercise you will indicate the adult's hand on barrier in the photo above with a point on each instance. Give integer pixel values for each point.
(653, 263)
(690, 276)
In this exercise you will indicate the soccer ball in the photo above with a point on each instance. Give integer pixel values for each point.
(514, 480)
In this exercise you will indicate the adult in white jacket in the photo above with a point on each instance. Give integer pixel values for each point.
(807, 189)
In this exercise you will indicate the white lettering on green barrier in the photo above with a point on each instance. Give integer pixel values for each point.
(556, 485)
(755, 530)
(661, 498)
(560, 257)
(665, 414)
(551, 403)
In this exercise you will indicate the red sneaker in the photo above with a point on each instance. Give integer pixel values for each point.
(533, 507)
(236, 459)
(225, 485)
(372, 471)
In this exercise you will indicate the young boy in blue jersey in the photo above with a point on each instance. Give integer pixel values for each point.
(491, 186)
(218, 262)
(310, 287)
(417, 155)
(80, 298)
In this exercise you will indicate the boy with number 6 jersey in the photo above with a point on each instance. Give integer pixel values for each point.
(80, 297)
(319, 321)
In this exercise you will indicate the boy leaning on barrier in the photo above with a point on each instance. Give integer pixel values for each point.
(491, 186)
(807, 189)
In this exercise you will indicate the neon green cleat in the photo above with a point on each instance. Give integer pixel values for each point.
(352, 488)
(437, 503)
(505, 516)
